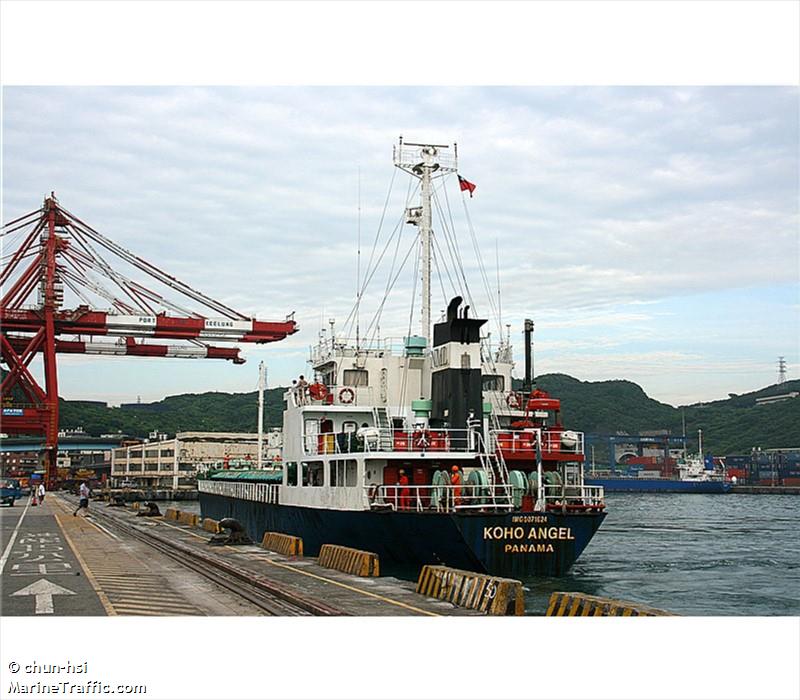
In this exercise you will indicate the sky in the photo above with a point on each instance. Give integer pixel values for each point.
(651, 233)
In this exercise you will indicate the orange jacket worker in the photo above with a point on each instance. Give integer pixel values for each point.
(455, 480)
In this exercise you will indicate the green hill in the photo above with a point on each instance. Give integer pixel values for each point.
(730, 426)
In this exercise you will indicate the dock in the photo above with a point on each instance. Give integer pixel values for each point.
(767, 490)
(114, 562)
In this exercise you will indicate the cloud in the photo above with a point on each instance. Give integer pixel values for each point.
(600, 201)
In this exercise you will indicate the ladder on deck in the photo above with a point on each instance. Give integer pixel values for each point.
(384, 424)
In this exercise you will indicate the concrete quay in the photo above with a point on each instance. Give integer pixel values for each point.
(113, 562)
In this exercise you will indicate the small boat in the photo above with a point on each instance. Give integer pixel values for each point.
(417, 448)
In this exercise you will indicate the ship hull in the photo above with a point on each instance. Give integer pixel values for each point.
(635, 485)
(517, 545)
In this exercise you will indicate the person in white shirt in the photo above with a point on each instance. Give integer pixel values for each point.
(41, 493)
(84, 496)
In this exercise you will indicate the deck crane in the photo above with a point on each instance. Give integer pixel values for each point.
(60, 253)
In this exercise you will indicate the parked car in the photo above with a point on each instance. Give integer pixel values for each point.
(9, 491)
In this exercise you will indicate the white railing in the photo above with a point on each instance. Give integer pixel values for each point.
(510, 441)
(262, 493)
(445, 498)
(450, 498)
(374, 440)
(571, 497)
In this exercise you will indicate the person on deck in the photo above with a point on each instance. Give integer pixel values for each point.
(41, 493)
(455, 480)
(405, 492)
(302, 389)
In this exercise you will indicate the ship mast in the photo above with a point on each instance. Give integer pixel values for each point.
(424, 161)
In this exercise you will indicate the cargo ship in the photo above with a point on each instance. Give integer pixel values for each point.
(695, 474)
(418, 449)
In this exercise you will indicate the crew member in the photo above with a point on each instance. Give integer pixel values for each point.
(455, 480)
(405, 492)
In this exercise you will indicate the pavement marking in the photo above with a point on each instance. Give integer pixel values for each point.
(344, 585)
(102, 529)
(43, 590)
(188, 532)
(126, 584)
(86, 570)
(13, 539)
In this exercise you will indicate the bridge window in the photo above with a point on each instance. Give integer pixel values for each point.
(356, 377)
(494, 382)
(291, 473)
(313, 474)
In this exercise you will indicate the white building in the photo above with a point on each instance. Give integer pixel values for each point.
(174, 463)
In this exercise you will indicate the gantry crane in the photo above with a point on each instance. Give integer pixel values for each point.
(64, 253)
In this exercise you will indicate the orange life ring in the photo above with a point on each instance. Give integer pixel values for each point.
(318, 391)
(347, 395)
(421, 439)
(513, 400)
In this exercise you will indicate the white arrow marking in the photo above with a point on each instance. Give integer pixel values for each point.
(44, 592)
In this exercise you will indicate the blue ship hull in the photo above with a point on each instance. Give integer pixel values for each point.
(517, 545)
(636, 485)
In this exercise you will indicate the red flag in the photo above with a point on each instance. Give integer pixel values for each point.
(466, 185)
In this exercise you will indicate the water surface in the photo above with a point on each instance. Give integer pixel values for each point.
(692, 554)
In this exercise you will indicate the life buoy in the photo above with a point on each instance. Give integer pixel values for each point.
(513, 400)
(346, 395)
(421, 439)
(318, 391)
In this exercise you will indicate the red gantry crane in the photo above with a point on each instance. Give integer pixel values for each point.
(60, 252)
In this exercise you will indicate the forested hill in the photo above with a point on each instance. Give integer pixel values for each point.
(730, 426)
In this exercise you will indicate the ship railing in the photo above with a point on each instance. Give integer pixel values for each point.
(374, 440)
(571, 496)
(336, 396)
(447, 498)
(356, 348)
(253, 491)
(511, 441)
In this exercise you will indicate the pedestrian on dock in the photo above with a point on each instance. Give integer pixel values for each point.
(84, 496)
(41, 493)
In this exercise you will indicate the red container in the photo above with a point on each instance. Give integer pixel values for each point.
(791, 481)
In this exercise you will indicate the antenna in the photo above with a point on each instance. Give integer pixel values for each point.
(358, 272)
(781, 370)
(262, 384)
(499, 299)
(423, 161)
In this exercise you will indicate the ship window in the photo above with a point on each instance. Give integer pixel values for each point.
(313, 474)
(291, 473)
(351, 468)
(337, 472)
(349, 426)
(494, 382)
(356, 377)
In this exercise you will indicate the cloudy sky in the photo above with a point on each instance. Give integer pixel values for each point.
(651, 233)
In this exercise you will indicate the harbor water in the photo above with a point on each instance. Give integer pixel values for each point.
(690, 554)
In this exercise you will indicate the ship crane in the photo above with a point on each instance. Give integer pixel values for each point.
(60, 253)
